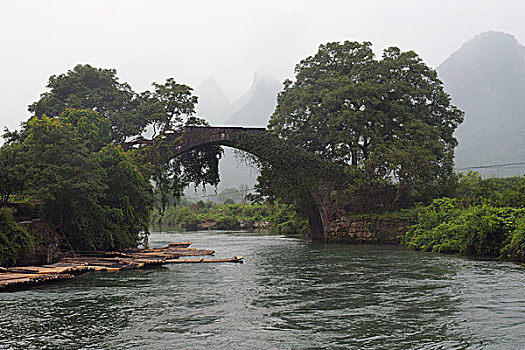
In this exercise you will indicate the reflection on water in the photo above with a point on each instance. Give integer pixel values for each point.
(288, 294)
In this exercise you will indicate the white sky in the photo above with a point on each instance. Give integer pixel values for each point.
(190, 40)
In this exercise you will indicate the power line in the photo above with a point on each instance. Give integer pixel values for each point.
(492, 166)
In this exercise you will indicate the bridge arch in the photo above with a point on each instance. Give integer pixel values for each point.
(196, 136)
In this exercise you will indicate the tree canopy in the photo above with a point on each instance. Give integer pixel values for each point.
(96, 198)
(98, 89)
(82, 156)
(125, 116)
(12, 172)
(387, 120)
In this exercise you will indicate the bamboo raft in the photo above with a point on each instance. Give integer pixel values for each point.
(82, 262)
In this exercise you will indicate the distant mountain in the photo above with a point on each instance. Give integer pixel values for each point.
(256, 106)
(486, 79)
(213, 104)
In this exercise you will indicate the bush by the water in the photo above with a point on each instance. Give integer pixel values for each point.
(481, 229)
(15, 241)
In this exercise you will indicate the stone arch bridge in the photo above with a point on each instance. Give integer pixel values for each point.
(191, 137)
(197, 136)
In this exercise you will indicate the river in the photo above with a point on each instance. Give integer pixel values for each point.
(287, 295)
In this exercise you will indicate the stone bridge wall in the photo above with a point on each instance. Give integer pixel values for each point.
(368, 229)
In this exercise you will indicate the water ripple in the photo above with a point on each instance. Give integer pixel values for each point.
(288, 294)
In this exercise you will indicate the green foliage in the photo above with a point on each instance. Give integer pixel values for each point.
(288, 173)
(15, 241)
(65, 177)
(128, 200)
(170, 174)
(98, 195)
(97, 199)
(170, 108)
(388, 121)
(482, 230)
(90, 125)
(13, 173)
(226, 222)
(286, 221)
(515, 249)
(185, 218)
(97, 89)
(501, 192)
(93, 100)
(166, 105)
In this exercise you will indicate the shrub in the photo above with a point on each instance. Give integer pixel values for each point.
(515, 249)
(15, 241)
(186, 218)
(482, 230)
(286, 221)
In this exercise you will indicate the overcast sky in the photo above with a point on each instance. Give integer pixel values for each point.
(228, 40)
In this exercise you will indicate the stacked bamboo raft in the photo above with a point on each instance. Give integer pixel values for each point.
(81, 262)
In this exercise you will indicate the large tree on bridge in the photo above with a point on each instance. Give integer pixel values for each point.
(387, 120)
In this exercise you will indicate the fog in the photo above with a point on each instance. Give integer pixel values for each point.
(150, 41)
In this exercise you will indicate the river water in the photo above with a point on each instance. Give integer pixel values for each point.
(287, 295)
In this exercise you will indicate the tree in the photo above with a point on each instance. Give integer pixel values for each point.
(170, 107)
(87, 160)
(388, 121)
(97, 89)
(13, 173)
(95, 102)
(97, 199)
(91, 126)
(128, 199)
(64, 176)
(15, 241)
(167, 104)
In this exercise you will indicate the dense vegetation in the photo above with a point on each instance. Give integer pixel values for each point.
(487, 218)
(81, 160)
(15, 241)
(279, 218)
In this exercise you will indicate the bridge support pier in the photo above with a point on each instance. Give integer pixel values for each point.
(316, 224)
(324, 213)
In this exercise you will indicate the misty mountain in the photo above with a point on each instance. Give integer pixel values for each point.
(486, 79)
(253, 108)
(213, 104)
(256, 106)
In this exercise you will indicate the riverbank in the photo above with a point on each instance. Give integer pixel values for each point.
(479, 230)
